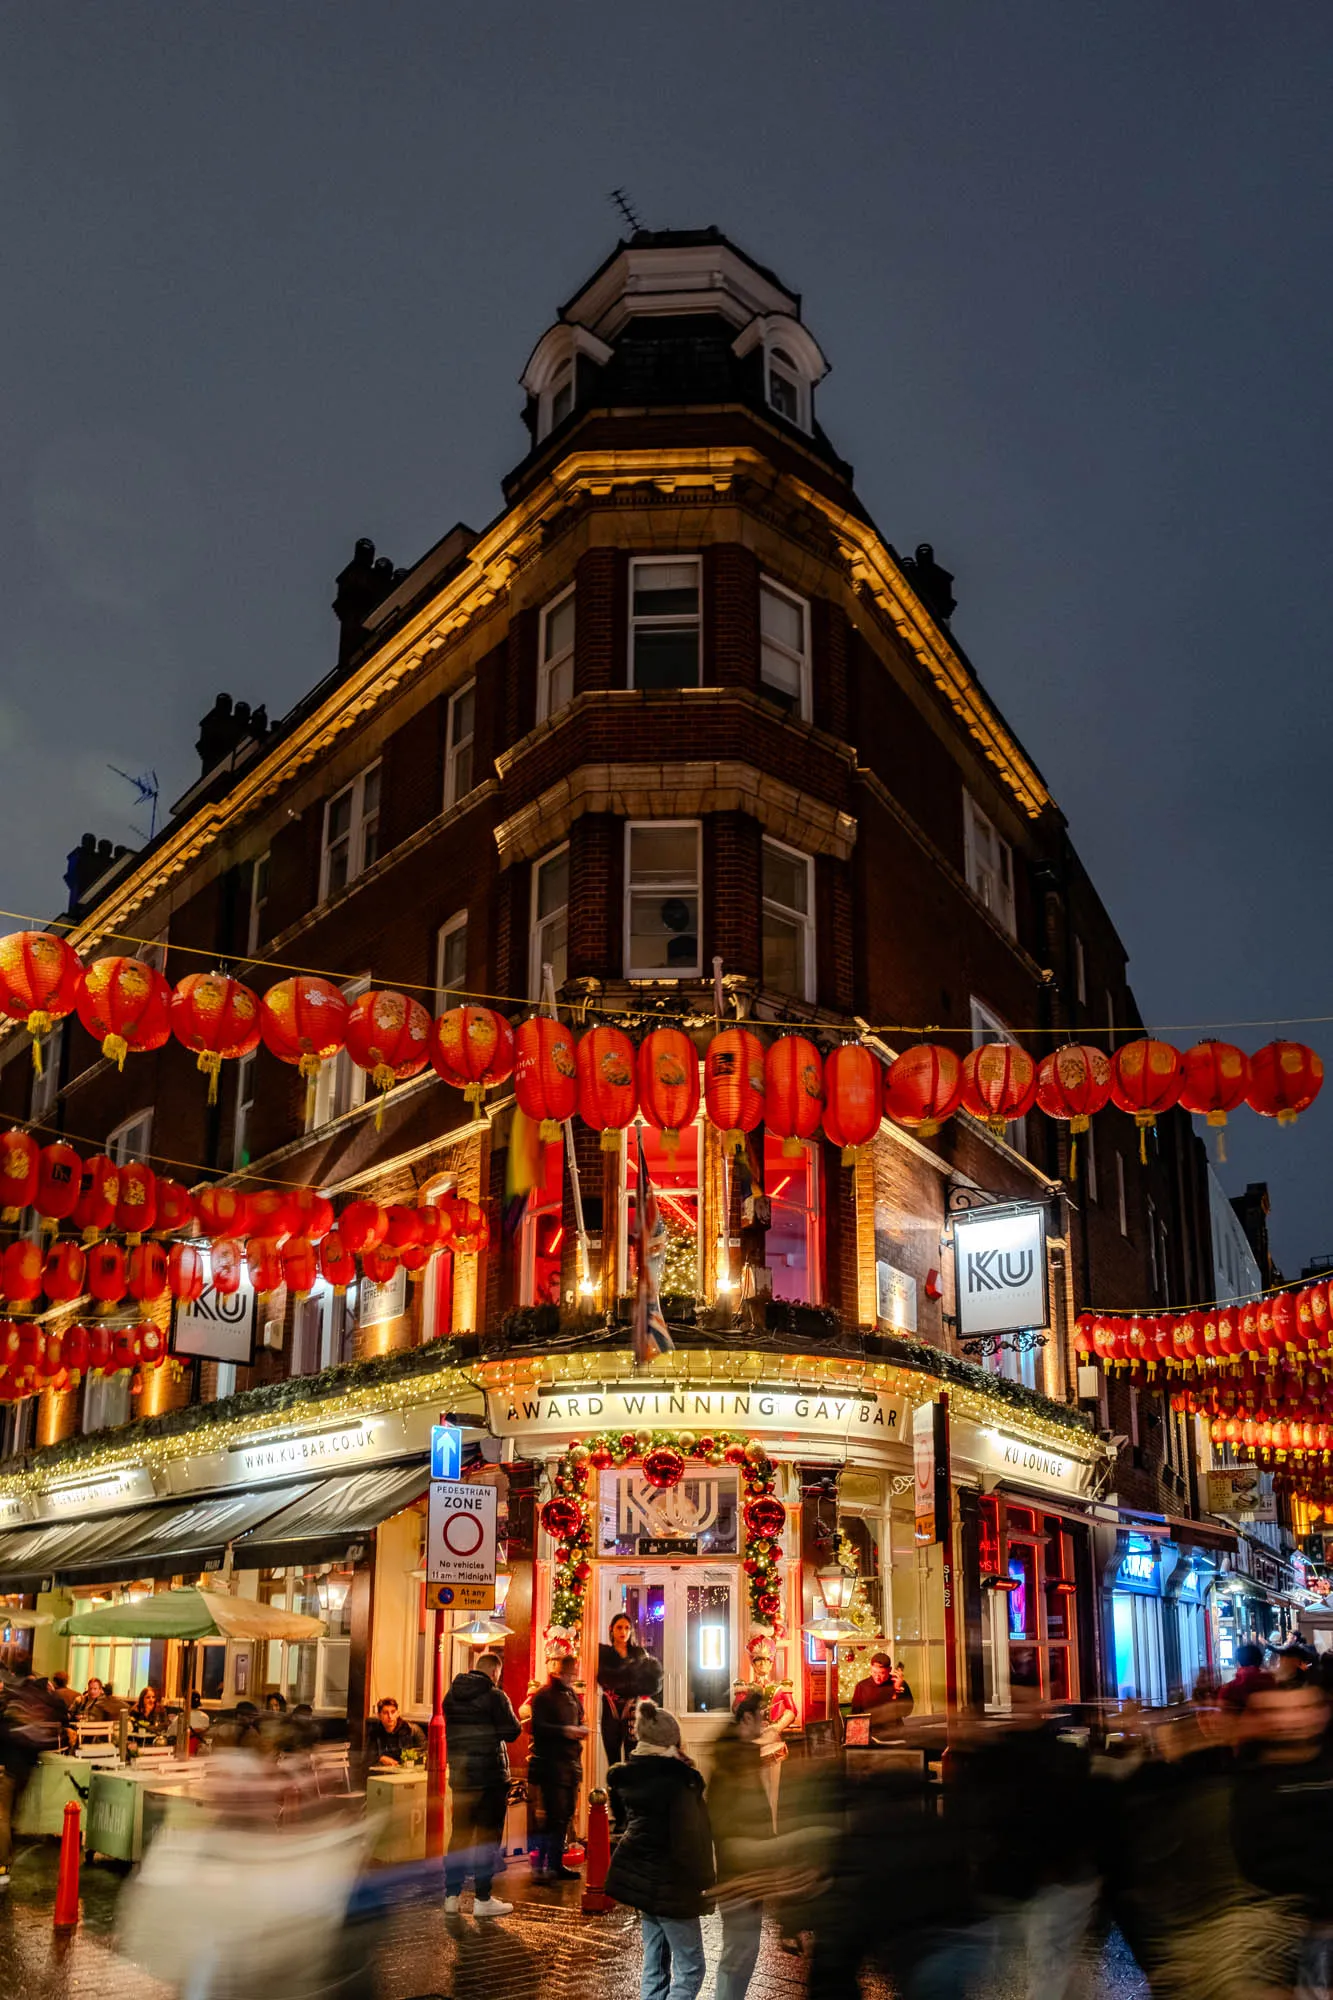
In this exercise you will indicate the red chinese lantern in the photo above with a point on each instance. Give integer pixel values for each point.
(608, 1094)
(136, 1204)
(999, 1084)
(924, 1086)
(545, 1073)
(40, 978)
(363, 1225)
(1267, 1330)
(1321, 1309)
(1083, 1330)
(734, 1085)
(125, 1004)
(273, 1213)
(28, 1349)
(124, 1350)
(185, 1272)
(19, 1161)
(471, 1048)
(1073, 1084)
(73, 1351)
(1145, 1080)
(59, 1172)
(1285, 1079)
(106, 1273)
(436, 1226)
(1249, 1328)
(263, 1260)
(1284, 1322)
(793, 1091)
(152, 1344)
(472, 1232)
(146, 1272)
(101, 1350)
(217, 1018)
(1306, 1338)
(337, 1265)
(312, 1213)
(1228, 1332)
(404, 1231)
(222, 1211)
(64, 1273)
(853, 1098)
(175, 1210)
(303, 1022)
(300, 1267)
(668, 1072)
(389, 1035)
(414, 1258)
(99, 1191)
(226, 1265)
(379, 1263)
(1214, 1080)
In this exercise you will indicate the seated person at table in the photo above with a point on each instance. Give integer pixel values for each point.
(102, 1703)
(61, 1688)
(388, 1734)
(148, 1715)
(885, 1697)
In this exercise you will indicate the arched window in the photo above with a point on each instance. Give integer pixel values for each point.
(786, 388)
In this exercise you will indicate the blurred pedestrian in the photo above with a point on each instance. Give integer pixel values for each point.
(31, 1722)
(1283, 1812)
(1250, 1675)
(663, 1863)
(1292, 1663)
(480, 1724)
(556, 1764)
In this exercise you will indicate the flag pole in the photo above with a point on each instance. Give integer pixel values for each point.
(585, 1286)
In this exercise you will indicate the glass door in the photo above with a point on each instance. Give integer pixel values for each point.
(686, 1616)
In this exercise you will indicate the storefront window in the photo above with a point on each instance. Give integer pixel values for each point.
(675, 1178)
(708, 1629)
(121, 1664)
(792, 1248)
(313, 1670)
(686, 1619)
(699, 1516)
(543, 1231)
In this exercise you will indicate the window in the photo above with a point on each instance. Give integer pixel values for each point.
(341, 1084)
(121, 1664)
(131, 1140)
(451, 963)
(16, 1426)
(259, 871)
(550, 920)
(990, 864)
(789, 926)
(675, 1179)
(245, 1104)
(153, 950)
(784, 648)
(664, 623)
(106, 1401)
(323, 1330)
(1154, 1270)
(988, 1027)
(662, 899)
(458, 744)
(543, 1232)
(555, 656)
(351, 832)
(46, 1087)
(1080, 974)
(1088, 1156)
(792, 1248)
(1120, 1193)
(313, 1670)
(555, 403)
(786, 388)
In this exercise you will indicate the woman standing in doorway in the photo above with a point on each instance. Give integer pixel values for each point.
(626, 1673)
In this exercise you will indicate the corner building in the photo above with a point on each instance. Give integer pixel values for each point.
(682, 727)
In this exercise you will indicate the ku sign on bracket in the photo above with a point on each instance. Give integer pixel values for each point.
(1000, 1270)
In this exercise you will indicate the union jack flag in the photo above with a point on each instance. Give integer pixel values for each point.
(650, 1334)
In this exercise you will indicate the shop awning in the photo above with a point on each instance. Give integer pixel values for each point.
(175, 1539)
(1185, 1534)
(331, 1519)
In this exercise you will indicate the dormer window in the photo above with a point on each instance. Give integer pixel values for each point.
(791, 363)
(560, 399)
(785, 387)
(551, 376)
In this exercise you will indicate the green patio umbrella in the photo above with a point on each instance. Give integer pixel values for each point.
(190, 1614)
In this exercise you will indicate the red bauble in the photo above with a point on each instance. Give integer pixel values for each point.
(765, 1517)
(734, 1454)
(664, 1466)
(767, 1605)
(601, 1456)
(561, 1518)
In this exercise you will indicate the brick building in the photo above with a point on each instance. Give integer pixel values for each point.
(682, 726)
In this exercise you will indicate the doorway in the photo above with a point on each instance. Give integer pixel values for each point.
(686, 1615)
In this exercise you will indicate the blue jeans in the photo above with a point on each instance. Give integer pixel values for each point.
(673, 1957)
(742, 1926)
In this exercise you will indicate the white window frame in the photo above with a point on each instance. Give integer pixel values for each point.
(245, 1104)
(362, 828)
(259, 886)
(1080, 973)
(566, 375)
(1122, 1203)
(46, 1087)
(805, 919)
(340, 1086)
(1089, 1158)
(987, 883)
(654, 620)
(802, 660)
(455, 746)
(527, 1252)
(131, 1139)
(988, 1027)
(779, 361)
(447, 996)
(657, 973)
(106, 1402)
(538, 955)
(548, 669)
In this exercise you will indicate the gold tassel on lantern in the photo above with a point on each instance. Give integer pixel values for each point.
(611, 1139)
(117, 1048)
(211, 1065)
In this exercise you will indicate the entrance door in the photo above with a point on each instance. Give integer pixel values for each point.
(686, 1616)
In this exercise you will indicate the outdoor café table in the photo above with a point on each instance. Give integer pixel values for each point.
(115, 1814)
(50, 1788)
(397, 1800)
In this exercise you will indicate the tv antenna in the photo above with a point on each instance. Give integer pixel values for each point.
(145, 790)
(626, 207)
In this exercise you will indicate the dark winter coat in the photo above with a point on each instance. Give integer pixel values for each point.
(636, 1677)
(479, 1721)
(663, 1861)
(556, 1708)
(738, 1804)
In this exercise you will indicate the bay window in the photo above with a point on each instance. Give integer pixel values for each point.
(662, 898)
(664, 624)
(789, 928)
(784, 655)
(555, 656)
(549, 928)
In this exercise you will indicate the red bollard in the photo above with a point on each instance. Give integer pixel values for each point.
(595, 1901)
(66, 1916)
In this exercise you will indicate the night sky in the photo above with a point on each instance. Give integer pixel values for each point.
(272, 273)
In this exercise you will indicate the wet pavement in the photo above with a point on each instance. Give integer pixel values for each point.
(546, 1951)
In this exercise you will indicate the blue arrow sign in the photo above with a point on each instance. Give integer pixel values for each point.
(446, 1451)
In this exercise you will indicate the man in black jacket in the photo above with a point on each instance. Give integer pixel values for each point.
(479, 1722)
(556, 1764)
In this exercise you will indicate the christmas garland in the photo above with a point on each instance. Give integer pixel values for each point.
(567, 1515)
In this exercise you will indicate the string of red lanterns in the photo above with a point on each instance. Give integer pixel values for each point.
(1288, 1329)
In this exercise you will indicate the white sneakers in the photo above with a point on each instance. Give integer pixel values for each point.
(492, 1907)
(451, 1906)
